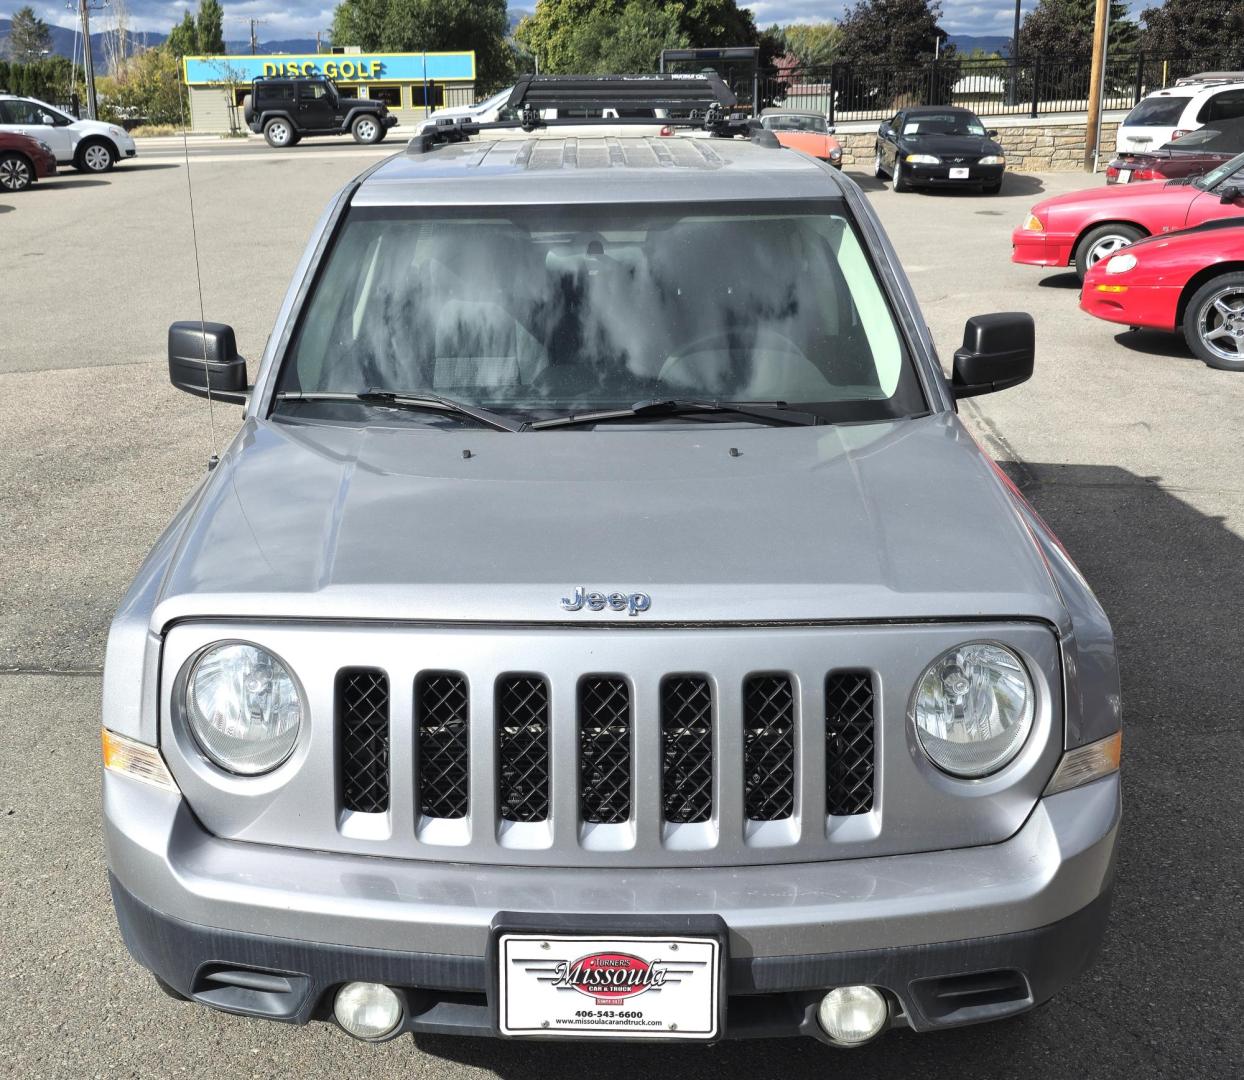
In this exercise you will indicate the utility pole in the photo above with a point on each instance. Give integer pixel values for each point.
(255, 40)
(1097, 75)
(1012, 93)
(84, 9)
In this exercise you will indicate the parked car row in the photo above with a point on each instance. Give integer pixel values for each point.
(32, 130)
(1161, 254)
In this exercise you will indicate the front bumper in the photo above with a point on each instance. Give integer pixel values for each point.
(1152, 306)
(939, 175)
(1028, 911)
(1041, 248)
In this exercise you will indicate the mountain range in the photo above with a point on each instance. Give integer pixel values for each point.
(64, 41)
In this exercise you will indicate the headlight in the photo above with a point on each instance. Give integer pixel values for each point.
(243, 707)
(922, 159)
(1120, 264)
(992, 159)
(44, 146)
(1033, 224)
(835, 153)
(973, 709)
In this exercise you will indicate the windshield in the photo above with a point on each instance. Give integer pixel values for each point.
(1216, 176)
(943, 124)
(541, 310)
(1157, 112)
(795, 122)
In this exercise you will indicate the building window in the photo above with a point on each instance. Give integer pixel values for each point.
(433, 99)
(390, 95)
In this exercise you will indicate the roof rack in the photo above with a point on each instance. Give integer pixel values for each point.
(1211, 77)
(704, 101)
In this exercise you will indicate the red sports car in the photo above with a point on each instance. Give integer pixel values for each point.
(1190, 155)
(23, 160)
(1081, 228)
(1189, 280)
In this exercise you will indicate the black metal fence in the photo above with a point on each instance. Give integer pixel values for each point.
(1040, 86)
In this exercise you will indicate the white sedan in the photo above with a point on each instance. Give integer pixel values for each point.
(87, 145)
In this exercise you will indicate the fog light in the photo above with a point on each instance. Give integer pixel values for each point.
(852, 1015)
(367, 1010)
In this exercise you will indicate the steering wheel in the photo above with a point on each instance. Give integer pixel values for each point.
(675, 361)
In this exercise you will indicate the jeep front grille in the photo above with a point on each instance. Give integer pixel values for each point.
(848, 742)
(523, 748)
(441, 714)
(686, 749)
(363, 739)
(604, 750)
(768, 748)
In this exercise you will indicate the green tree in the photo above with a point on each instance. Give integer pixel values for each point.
(360, 22)
(148, 88)
(712, 24)
(183, 39)
(1064, 29)
(29, 36)
(629, 41)
(1197, 28)
(891, 33)
(813, 45)
(209, 28)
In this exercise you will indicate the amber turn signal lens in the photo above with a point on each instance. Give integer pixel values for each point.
(1087, 763)
(1112, 288)
(136, 760)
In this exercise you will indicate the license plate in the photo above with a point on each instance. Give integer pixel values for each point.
(1125, 175)
(960, 174)
(609, 987)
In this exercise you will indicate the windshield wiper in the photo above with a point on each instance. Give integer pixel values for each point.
(411, 401)
(775, 412)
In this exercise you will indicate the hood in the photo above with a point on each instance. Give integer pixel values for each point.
(900, 520)
(950, 145)
(99, 127)
(1092, 198)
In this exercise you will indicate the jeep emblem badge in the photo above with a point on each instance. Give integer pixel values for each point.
(631, 603)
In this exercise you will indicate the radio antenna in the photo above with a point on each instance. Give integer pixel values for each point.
(214, 459)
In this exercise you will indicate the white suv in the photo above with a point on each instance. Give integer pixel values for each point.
(1189, 104)
(87, 145)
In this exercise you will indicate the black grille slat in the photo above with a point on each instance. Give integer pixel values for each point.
(686, 749)
(362, 709)
(442, 727)
(849, 742)
(604, 750)
(523, 748)
(768, 748)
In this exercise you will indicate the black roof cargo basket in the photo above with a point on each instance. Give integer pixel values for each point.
(700, 101)
(683, 93)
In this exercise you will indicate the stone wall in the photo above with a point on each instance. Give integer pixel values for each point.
(1030, 147)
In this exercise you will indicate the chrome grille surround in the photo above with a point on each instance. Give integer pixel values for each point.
(914, 808)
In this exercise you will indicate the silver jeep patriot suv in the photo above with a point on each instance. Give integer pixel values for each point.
(603, 626)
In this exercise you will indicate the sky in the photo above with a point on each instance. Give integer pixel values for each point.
(284, 20)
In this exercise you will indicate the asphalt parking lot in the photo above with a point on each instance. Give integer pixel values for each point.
(1126, 444)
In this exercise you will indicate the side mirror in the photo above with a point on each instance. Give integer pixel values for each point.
(831, 130)
(997, 353)
(885, 131)
(205, 355)
(992, 133)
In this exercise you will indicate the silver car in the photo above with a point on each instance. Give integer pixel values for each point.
(602, 626)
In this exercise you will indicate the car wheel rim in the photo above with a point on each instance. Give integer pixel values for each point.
(1105, 247)
(367, 130)
(1221, 324)
(280, 133)
(14, 175)
(96, 158)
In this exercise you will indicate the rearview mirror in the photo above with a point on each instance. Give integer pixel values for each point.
(203, 355)
(997, 353)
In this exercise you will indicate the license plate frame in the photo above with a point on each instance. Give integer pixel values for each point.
(1125, 176)
(960, 173)
(695, 1005)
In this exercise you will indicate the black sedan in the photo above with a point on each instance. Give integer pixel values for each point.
(939, 145)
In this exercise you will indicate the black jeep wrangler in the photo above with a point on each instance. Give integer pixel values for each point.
(286, 109)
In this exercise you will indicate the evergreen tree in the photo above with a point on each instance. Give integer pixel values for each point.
(183, 39)
(1063, 29)
(893, 33)
(209, 28)
(1196, 28)
(29, 36)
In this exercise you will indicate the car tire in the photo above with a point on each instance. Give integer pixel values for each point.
(900, 181)
(1101, 243)
(248, 108)
(94, 156)
(1214, 322)
(367, 130)
(16, 173)
(279, 133)
(295, 139)
(878, 169)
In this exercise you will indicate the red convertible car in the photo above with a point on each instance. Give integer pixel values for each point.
(1190, 155)
(1084, 227)
(1191, 281)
